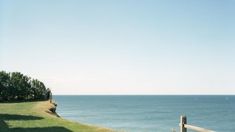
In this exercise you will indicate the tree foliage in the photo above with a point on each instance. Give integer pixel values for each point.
(18, 87)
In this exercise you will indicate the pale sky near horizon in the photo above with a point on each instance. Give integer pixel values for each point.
(121, 46)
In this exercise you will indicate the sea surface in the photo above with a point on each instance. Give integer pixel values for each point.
(149, 113)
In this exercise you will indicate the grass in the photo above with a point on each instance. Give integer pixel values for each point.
(36, 117)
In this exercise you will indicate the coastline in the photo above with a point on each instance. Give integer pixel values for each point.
(52, 110)
(39, 116)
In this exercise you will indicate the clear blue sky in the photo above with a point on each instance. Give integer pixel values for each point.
(121, 46)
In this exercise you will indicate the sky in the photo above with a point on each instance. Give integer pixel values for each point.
(121, 46)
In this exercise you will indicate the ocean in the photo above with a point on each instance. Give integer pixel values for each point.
(149, 113)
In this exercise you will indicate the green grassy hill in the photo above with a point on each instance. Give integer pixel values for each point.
(36, 117)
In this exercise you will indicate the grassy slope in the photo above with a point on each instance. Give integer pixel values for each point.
(36, 117)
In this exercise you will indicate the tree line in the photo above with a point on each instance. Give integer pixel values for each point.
(15, 86)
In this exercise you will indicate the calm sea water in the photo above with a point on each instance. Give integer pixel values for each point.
(149, 113)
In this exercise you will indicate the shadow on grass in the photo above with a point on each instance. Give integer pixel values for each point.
(18, 117)
(7, 117)
(21, 101)
(41, 129)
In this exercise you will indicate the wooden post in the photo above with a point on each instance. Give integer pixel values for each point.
(183, 120)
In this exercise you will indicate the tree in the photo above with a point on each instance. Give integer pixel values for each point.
(49, 94)
(38, 90)
(18, 87)
(4, 85)
(21, 86)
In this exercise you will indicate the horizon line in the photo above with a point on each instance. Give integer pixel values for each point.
(144, 94)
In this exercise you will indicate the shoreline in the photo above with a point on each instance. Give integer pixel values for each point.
(53, 108)
(39, 116)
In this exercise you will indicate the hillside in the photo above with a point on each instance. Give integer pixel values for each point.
(36, 117)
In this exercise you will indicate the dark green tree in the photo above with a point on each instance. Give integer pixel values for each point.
(4, 85)
(21, 86)
(18, 87)
(38, 90)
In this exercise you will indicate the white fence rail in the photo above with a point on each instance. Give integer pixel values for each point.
(184, 126)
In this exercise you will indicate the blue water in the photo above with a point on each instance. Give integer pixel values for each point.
(150, 113)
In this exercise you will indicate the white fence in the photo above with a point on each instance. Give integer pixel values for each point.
(184, 126)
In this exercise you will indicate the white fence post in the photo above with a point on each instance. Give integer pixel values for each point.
(183, 120)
